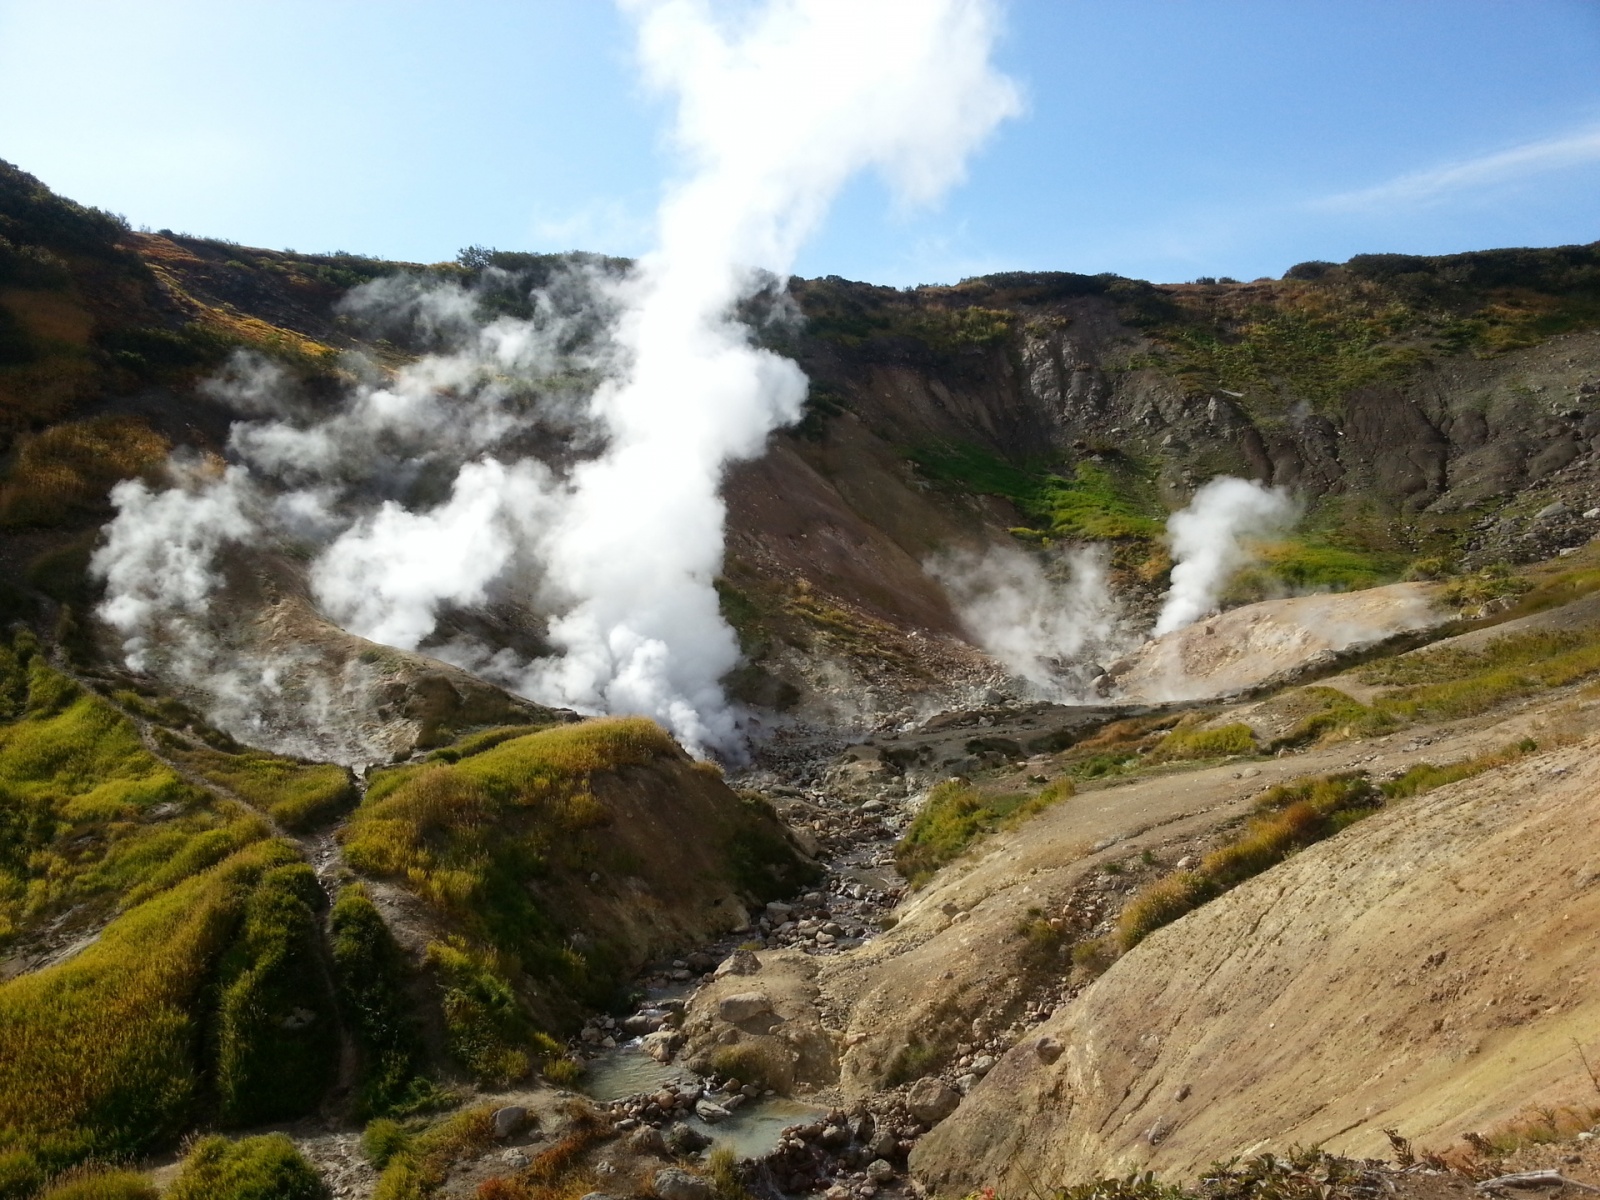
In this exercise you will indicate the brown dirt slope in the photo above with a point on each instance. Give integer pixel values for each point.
(1430, 969)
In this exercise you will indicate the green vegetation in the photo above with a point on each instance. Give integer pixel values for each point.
(1446, 683)
(276, 1036)
(468, 837)
(487, 1030)
(1107, 500)
(296, 795)
(104, 1051)
(85, 811)
(1189, 742)
(955, 815)
(101, 1184)
(496, 841)
(1291, 817)
(370, 973)
(416, 1167)
(257, 1168)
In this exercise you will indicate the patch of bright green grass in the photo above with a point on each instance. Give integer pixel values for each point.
(1103, 501)
(416, 1169)
(955, 815)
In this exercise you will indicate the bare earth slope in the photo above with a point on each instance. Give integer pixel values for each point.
(1428, 969)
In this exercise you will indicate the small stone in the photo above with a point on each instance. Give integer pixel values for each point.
(682, 974)
(743, 1006)
(883, 1144)
(932, 1100)
(983, 1064)
(515, 1158)
(508, 1120)
(880, 1171)
(965, 1083)
(659, 1045)
(673, 1183)
(1048, 1049)
(711, 1113)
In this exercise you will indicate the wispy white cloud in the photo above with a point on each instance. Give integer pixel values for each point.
(1416, 188)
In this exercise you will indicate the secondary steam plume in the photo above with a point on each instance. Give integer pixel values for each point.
(1208, 543)
(1039, 622)
(773, 117)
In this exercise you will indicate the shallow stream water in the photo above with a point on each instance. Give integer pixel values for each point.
(752, 1130)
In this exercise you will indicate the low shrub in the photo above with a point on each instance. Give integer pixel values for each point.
(269, 1167)
(382, 1139)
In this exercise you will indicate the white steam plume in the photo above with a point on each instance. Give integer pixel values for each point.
(905, 88)
(618, 544)
(1040, 622)
(1209, 546)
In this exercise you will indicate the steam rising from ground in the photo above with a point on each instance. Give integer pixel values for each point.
(1041, 620)
(420, 490)
(1209, 541)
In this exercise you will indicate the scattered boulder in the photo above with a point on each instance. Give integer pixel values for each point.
(880, 1170)
(932, 1100)
(508, 1120)
(740, 962)
(673, 1183)
(686, 1139)
(711, 1113)
(661, 1044)
(743, 1006)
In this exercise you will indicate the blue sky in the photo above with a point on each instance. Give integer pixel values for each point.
(1163, 140)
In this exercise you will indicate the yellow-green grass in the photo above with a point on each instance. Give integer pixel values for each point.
(297, 795)
(103, 1051)
(956, 814)
(269, 1167)
(1447, 683)
(468, 838)
(486, 1029)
